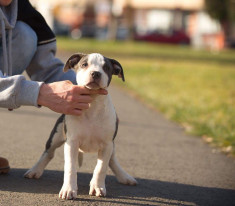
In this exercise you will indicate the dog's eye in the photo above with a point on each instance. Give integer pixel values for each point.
(84, 65)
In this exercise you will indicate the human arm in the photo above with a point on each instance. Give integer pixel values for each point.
(44, 67)
(62, 97)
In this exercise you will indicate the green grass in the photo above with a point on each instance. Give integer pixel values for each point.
(194, 88)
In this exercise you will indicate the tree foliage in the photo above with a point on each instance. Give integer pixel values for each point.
(222, 10)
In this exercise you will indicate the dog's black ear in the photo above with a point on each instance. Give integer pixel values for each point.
(117, 69)
(72, 61)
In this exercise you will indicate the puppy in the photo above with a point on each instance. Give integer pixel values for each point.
(93, 131)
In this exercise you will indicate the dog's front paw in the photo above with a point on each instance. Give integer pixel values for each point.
(67, 192)
(99, 191)
(33, 173)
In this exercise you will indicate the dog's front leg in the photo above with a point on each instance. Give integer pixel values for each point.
(69, 188)
(97, 184)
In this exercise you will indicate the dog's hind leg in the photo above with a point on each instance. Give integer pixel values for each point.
(122, 176)
(56, 139)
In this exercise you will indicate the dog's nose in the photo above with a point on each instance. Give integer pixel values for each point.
(96, 75)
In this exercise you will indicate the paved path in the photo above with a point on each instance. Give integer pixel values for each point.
(171, 167)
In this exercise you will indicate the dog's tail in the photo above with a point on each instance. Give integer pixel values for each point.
(80, 158)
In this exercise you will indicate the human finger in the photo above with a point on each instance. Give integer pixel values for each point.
(76, 112)
(84, 90)
(81, 106)
(82, 98)
(102, 91)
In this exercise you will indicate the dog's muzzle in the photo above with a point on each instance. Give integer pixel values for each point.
(95, 80)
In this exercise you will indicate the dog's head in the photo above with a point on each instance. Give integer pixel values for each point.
(94, 71)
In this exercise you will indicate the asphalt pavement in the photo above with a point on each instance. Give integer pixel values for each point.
(172, 168)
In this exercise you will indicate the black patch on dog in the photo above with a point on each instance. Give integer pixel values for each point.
(113, 67)
(117, 69)
(108, 69)
(116, 129)
(58, 122)
(72, 61)
(65, 127)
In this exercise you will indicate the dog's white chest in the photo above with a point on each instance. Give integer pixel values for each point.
(95, 128)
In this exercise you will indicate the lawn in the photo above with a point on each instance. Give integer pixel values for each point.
(193, 88)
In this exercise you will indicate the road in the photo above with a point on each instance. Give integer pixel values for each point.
(172, 168)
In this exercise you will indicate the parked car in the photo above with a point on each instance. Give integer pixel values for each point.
(173, 37)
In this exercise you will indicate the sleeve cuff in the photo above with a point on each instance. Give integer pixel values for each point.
(29, 91)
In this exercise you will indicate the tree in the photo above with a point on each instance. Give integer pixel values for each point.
(224, 12)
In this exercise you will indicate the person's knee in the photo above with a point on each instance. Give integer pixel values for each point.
(24, 46)
(25, 37)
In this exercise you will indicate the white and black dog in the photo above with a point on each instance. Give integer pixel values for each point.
(93, 131)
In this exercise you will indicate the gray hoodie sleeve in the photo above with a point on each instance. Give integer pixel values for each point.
(46, 67)
(16, 91)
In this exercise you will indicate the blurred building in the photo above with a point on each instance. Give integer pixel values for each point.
(124, 19)
(168, 16)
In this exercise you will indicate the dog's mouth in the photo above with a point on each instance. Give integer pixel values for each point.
(92, 85)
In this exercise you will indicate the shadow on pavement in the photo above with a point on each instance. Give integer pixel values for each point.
(147, 192)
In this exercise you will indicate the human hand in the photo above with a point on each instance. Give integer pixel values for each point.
(5, 2)
(66, 98)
